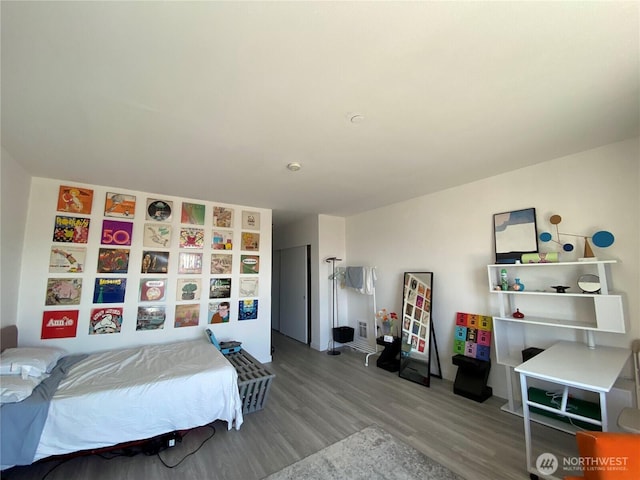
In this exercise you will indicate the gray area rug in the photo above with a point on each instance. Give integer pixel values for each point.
(368, 454)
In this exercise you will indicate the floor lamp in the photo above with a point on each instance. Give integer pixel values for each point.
(334, 305)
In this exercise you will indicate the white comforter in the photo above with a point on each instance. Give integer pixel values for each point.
(138, 393)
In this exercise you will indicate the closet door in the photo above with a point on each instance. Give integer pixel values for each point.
(293, 293)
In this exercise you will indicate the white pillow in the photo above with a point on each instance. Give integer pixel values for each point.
(14, 388)
(29, 361)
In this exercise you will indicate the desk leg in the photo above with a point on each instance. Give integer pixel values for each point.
(527, 420)
(603, 412)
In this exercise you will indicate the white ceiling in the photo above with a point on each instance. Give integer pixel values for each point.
(211, 100)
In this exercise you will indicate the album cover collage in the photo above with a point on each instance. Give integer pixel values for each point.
(206, 268)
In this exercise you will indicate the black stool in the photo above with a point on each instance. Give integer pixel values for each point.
(471, 379)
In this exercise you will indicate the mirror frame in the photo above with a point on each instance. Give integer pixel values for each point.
(416, 344)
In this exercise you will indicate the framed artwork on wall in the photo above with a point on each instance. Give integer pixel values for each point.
(515, 234)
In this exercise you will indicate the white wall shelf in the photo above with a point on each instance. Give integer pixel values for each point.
(548, 312)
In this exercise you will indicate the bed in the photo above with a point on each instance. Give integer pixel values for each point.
(109, 398)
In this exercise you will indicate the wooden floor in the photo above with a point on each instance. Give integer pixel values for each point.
(318, 399)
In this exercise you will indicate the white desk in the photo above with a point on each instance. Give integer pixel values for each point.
(572, 365)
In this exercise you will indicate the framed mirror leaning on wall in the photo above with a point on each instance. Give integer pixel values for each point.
(418, 338)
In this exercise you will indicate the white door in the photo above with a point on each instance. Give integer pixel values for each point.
(294, 314)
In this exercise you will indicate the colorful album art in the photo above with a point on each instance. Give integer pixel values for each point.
(119, 205)
(247, 310)
(63, 291)
(250, 241)
(220, 288)
(222, 240)
(249, 264)
(157, 235)
(109, 290)
(189, 262)
(221, 263)
(192, 213)
(151, 318)
(116, 233)
(250, 220)
(249, 286)
(59, 324)
(113, 260)
(75, 200)
(219, 312)
(152, 289)
(154, 262)
(188, 289)
(67, 259)
(71, 229)
(223, 217)
(159, 210)
(105, 320)
(187, 315)
(191, 237)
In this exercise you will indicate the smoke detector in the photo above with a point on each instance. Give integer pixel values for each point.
(294, 166)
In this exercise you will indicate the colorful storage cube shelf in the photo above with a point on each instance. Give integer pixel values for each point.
(254, 381)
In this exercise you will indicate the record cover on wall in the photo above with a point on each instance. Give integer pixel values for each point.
(223, 217)
(59, 324)
(222, 240)
(63, 291)
(189, 262)
(113, 260)
(247, 310)
(152, 289)
(192, 213)
(157, 235)
(221, 263)
(75, 200)
(249, 263)
(71, 229)
(250, 241)
(67, 259)
(155, 262)
(159, 210)
(219, 312)
(151, 318)
(119, 205)
(220, 288)
(105, 320)
(191, 237)
(187, 315)
(188, 289)
(116, 233)
(250, 220)
(109, 290)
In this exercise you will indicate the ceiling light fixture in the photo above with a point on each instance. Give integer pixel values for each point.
(294, 166)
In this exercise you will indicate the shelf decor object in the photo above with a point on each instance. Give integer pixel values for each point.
(515, 234)
(602, 239)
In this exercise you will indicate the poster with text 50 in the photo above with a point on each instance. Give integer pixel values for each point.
(116, 233)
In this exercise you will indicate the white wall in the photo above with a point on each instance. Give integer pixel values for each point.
(15, 200)
(450, 233)
(255, 334)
